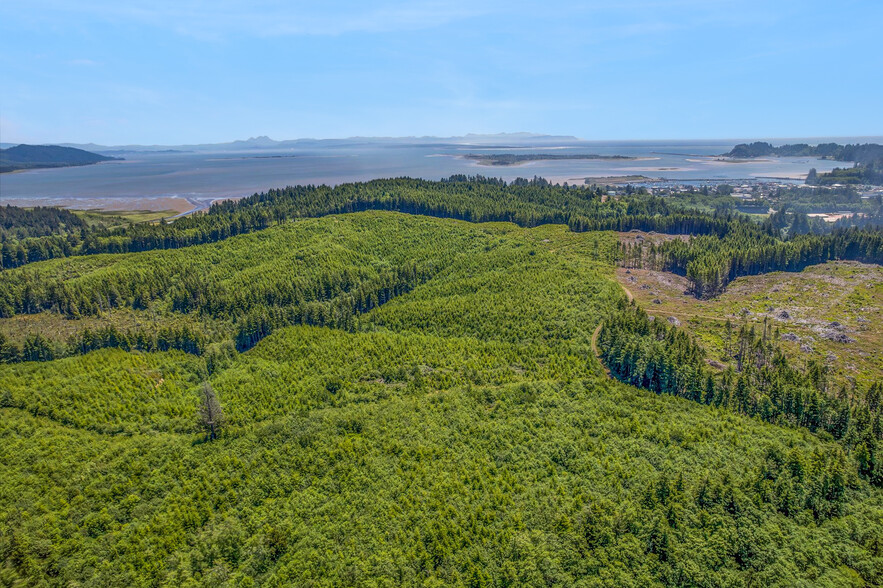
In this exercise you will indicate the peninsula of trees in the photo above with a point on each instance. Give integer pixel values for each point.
(863, 154)
(868, 160)
(507, 159)
(24, 157)
(870, 173)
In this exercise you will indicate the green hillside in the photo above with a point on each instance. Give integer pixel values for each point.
(40, 156)
(408, 401)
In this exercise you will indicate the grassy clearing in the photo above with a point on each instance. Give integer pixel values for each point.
(838, 300)
(112, 219)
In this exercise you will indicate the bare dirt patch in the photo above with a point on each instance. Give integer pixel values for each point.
(831, 312)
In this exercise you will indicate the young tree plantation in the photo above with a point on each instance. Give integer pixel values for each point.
(396, 383)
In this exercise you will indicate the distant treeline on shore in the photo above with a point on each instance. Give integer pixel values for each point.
(517, 158)
(24, 157)
(868, 160)
(863, 154)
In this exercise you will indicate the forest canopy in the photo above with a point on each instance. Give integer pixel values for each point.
(398, 383)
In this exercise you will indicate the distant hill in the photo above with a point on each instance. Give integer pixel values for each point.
(43, 156)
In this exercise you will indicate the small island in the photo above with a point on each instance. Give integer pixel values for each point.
(25, 157)
(509, 159)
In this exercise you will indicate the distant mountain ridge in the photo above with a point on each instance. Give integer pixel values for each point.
(266, 143)
(501, 140)
(23, 157)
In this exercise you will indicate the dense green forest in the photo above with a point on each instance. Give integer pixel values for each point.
(867, 210)
(863, 154)
(475, 199)
(413, 400)
(830, 199)
(710, 262)
(20, 223)
(861, 173)
(868, 159)
(309, 272)
(659, 357)
(527, 203)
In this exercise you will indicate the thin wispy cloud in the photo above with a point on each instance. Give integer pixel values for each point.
(267, 18)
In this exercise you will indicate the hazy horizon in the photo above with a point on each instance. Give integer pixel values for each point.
(523, 136)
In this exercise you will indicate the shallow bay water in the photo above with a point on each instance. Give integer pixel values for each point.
(185, 181)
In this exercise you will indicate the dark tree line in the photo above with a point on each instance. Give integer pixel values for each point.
(527, 203)
(747, 249)
(861, 153)
(339, 309)
(20, 223)
(726, 245)
(36, 347)
(860, 173)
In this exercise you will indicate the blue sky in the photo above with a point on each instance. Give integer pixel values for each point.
(182, 71)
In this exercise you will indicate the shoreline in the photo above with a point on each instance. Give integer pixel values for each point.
(181, 205)
(65, 166)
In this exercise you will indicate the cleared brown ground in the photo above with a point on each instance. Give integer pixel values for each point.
(832, 312)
